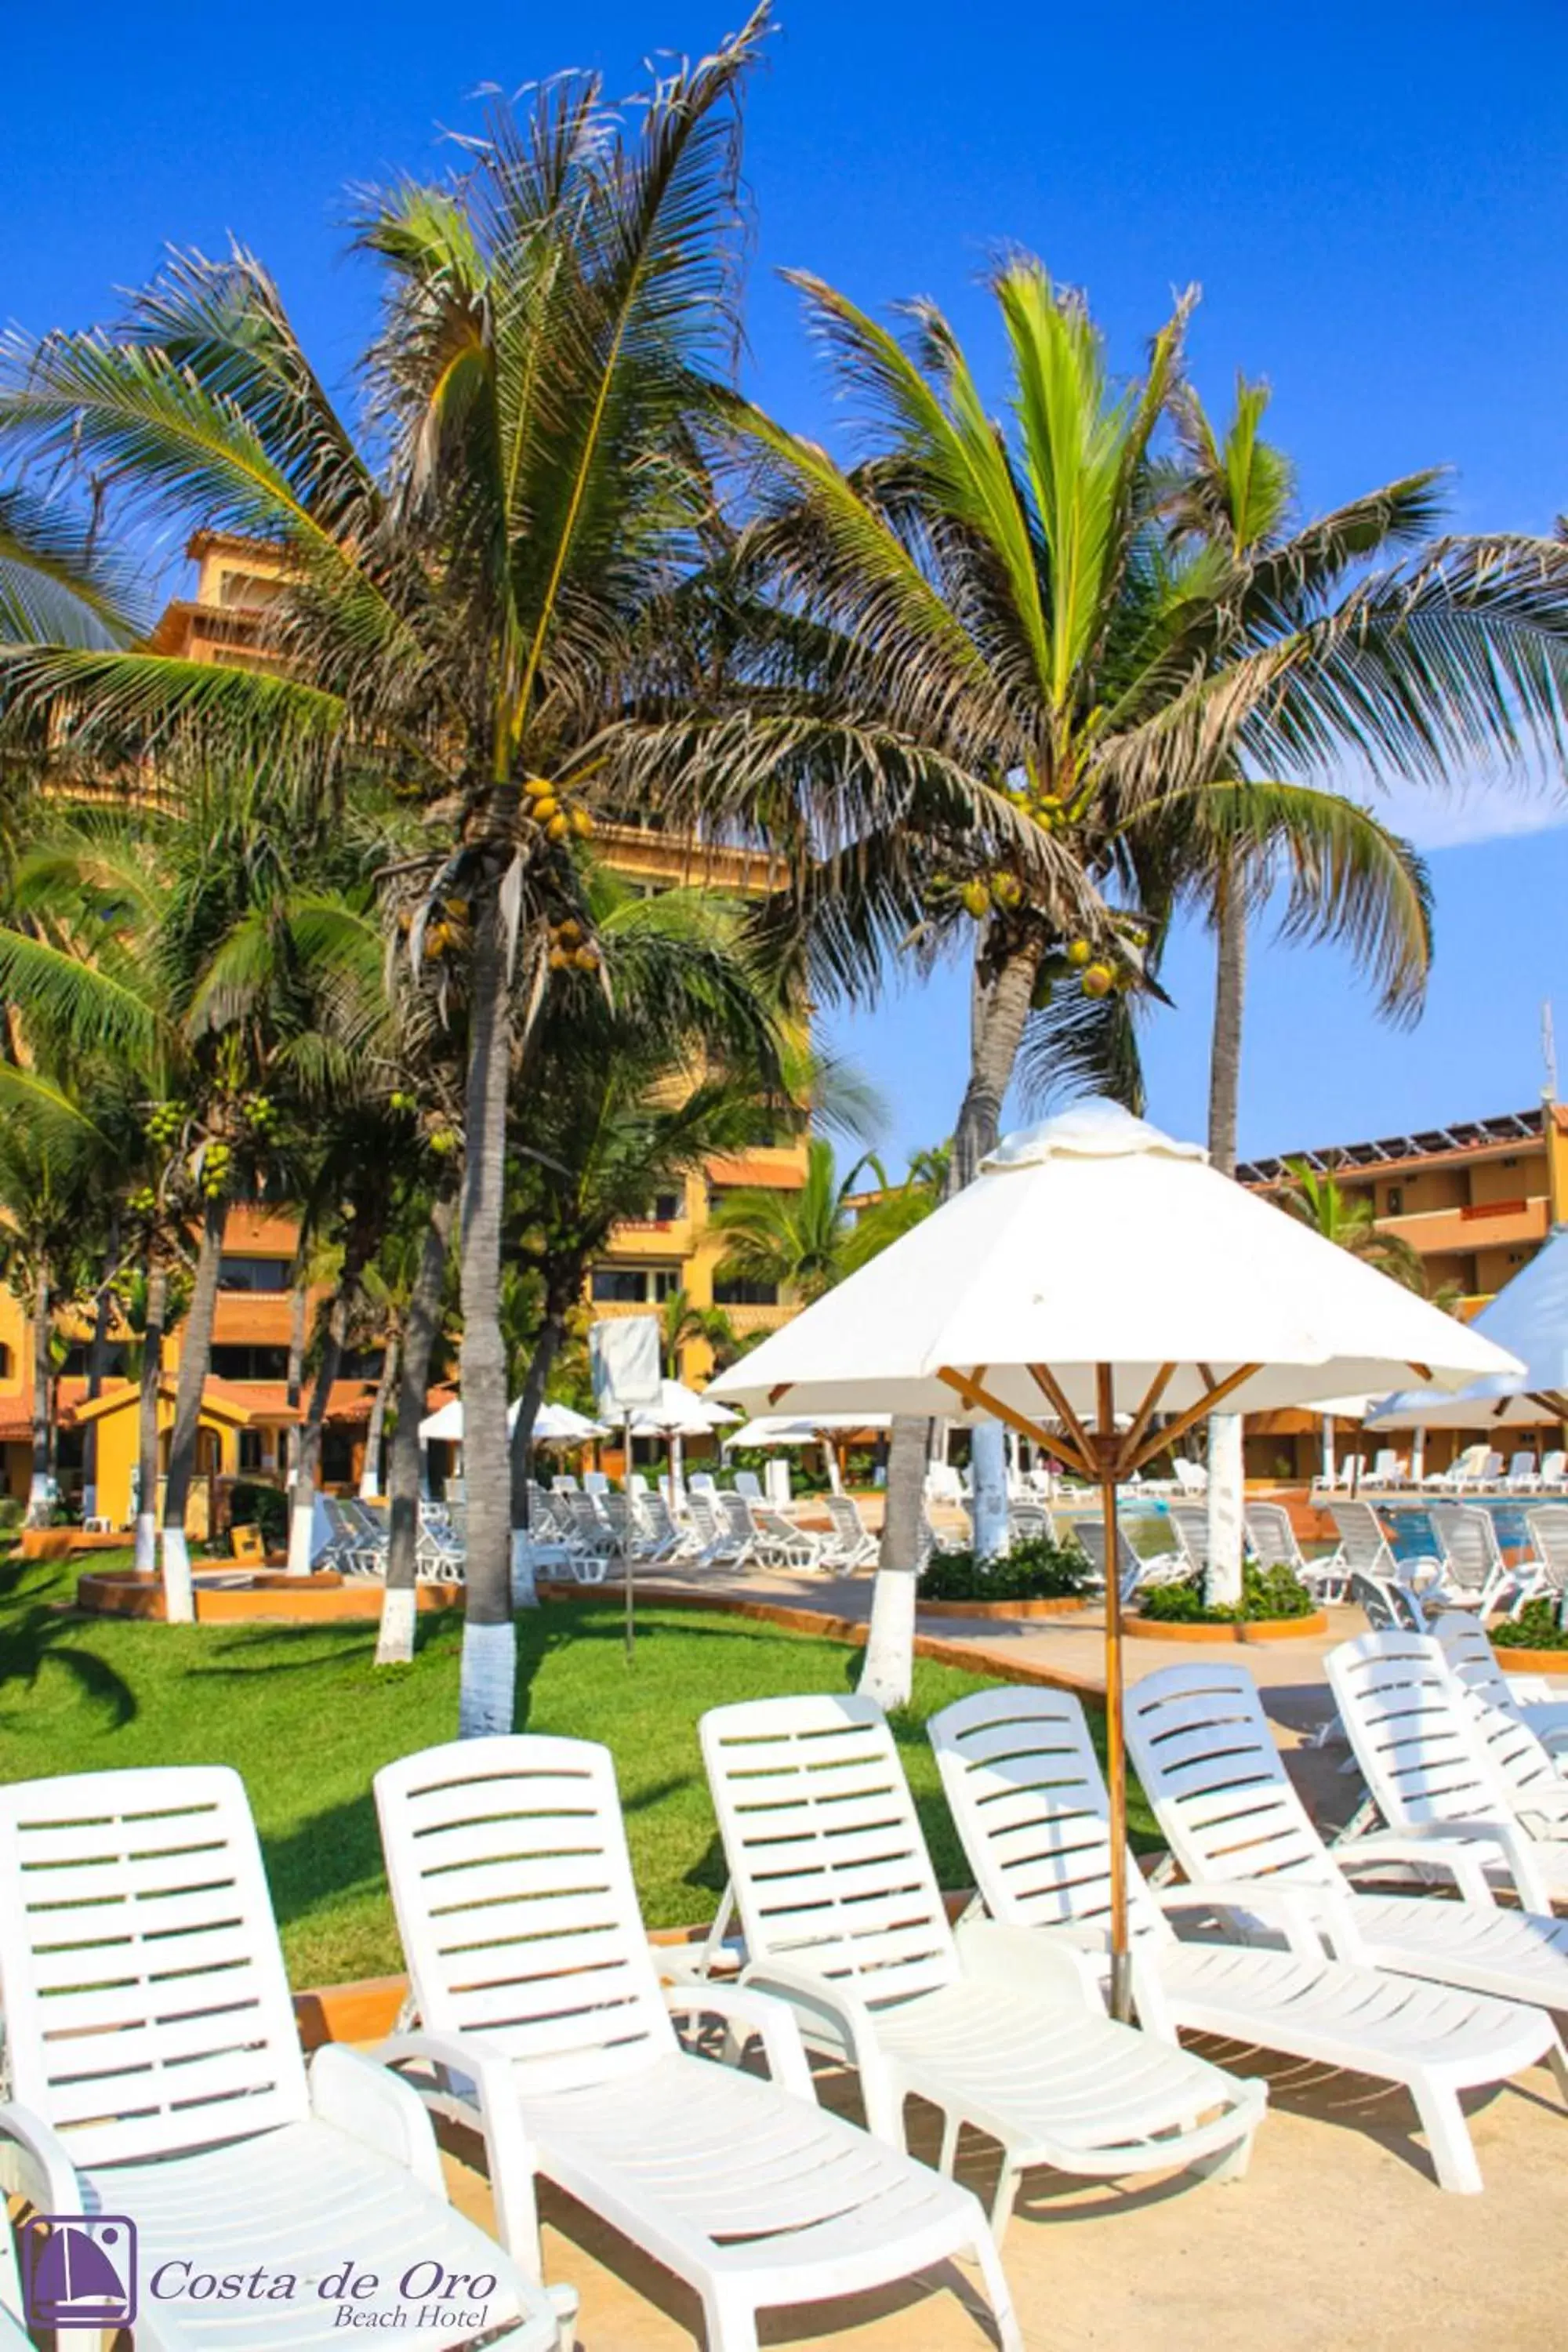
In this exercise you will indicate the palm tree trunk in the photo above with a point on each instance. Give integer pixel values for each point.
(97, 1365)
(1227, 1478)
(524, 1593)
(489, 1678)
(370, 1469)
(302, 1516)
(299, 1324)
(41, 1492)
(998, 1010)
(147, 1419)
(195, 1356)
(394, 1645)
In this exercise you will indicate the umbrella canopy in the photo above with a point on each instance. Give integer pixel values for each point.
(1097, 1268)
(1094, 1240)
(771, 1430)
(1529, 1316)
(555, 1424)
(681, 1413)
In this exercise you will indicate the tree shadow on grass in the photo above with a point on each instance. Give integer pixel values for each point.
(36, 1633)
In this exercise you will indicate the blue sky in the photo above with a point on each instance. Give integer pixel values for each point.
(1373, 199)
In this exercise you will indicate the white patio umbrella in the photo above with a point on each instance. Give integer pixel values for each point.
(1094, 1267)
(680, 1413)
(814, 1430)
(1529, 1316)
(554, 1424)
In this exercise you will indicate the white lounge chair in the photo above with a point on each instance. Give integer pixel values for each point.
(1026, 1792)
(1554, 1475)
(1387, 1605)
(1438, 1777)
(1135, 1569)
(1474, 1662)
(853, 1544)
(1521, 1476)
(1272, 1539)
(1389, 1468)
(1192, 1478)
(1190, 1525)
(1364, 1549)
(537, 1991)
(1463, 1474)
(843, 1918)
(1548, 1526)
(157, 2073)
(1475, 1574)
(778, 1543)
(1229, 1811)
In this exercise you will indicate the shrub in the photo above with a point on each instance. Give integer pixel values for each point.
(1035, 1570)
(1535, 1628)
(266, 1507)
(1265, 1593)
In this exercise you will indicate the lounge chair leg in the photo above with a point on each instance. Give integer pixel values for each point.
(1009, 2335)
(1006, 2190)
(1230, 2164)
(952, 2125)
(884, 2100)
(1558, 2059)
(731, 2321)
(1448, 2137)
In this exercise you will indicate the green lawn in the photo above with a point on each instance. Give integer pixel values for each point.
(307, 1718)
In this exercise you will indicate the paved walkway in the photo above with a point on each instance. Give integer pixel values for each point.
(1290, 1673)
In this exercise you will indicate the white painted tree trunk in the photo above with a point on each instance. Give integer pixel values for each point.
(1225, 1501)
(179, 1598)
(301, 1523)
(146, 1543)
(988, 1476)
(395, 1642)
(830, 1463)
(1327, 1449)
(887, 1676)
(1417, 1457)
(488, 1680)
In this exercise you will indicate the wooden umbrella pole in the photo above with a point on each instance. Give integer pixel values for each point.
(1107, 1464)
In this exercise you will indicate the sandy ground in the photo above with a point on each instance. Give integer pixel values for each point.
(1337, 2237)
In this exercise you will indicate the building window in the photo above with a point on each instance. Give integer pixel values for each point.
(250, 1363)
(1395, 1201)
(733, 1292)
(667, 1208)
(7, 1362)
(253, 1274)
(634, 1286)
(76, 1366)
(250, 1454)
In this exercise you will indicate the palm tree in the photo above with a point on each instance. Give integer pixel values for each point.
(803, 1243)
(50, 1196)
(474, 600)
(995, 618)
(682, 1322)
(1319, 1200)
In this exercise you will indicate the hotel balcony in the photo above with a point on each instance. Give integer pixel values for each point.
(1485, 1225)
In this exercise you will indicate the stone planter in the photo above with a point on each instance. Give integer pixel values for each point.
(1532, 1661)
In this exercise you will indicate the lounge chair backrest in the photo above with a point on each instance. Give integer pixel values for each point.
(1413, 1736)
(1026, 1791)
(616, 1514)
(848, 1525)
(635, 1482)
(1463, 1640)
(1090, 1534)
(704, 1520)
(1190, 1525)
(596, 1481)
(146, 2008)
(734, 1513)
(701, 1483)
(1362, 1539)
(1492, 1469)
(828, 1866)
(1211, 1771)
(748, 1484)
(588, 1523)
(1190, 1477)
(1389, 1606)
(654, 1514)
(1554, 1467)
(1547, 1527)
(1029, 1523)
(1467, 1536)
(1272, 1536)
(508, 1863)
(564, 1483)
(1521, 1466)
(1387, 1469)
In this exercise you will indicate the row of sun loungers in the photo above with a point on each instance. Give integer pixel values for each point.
(173, 2091)
(1477, 1470)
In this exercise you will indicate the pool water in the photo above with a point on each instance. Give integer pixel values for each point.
(1410, 1526)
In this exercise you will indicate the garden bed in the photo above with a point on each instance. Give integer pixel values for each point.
(1228, 1629)
(1534, 1661)
(261, 1598)
(1066, 1606)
